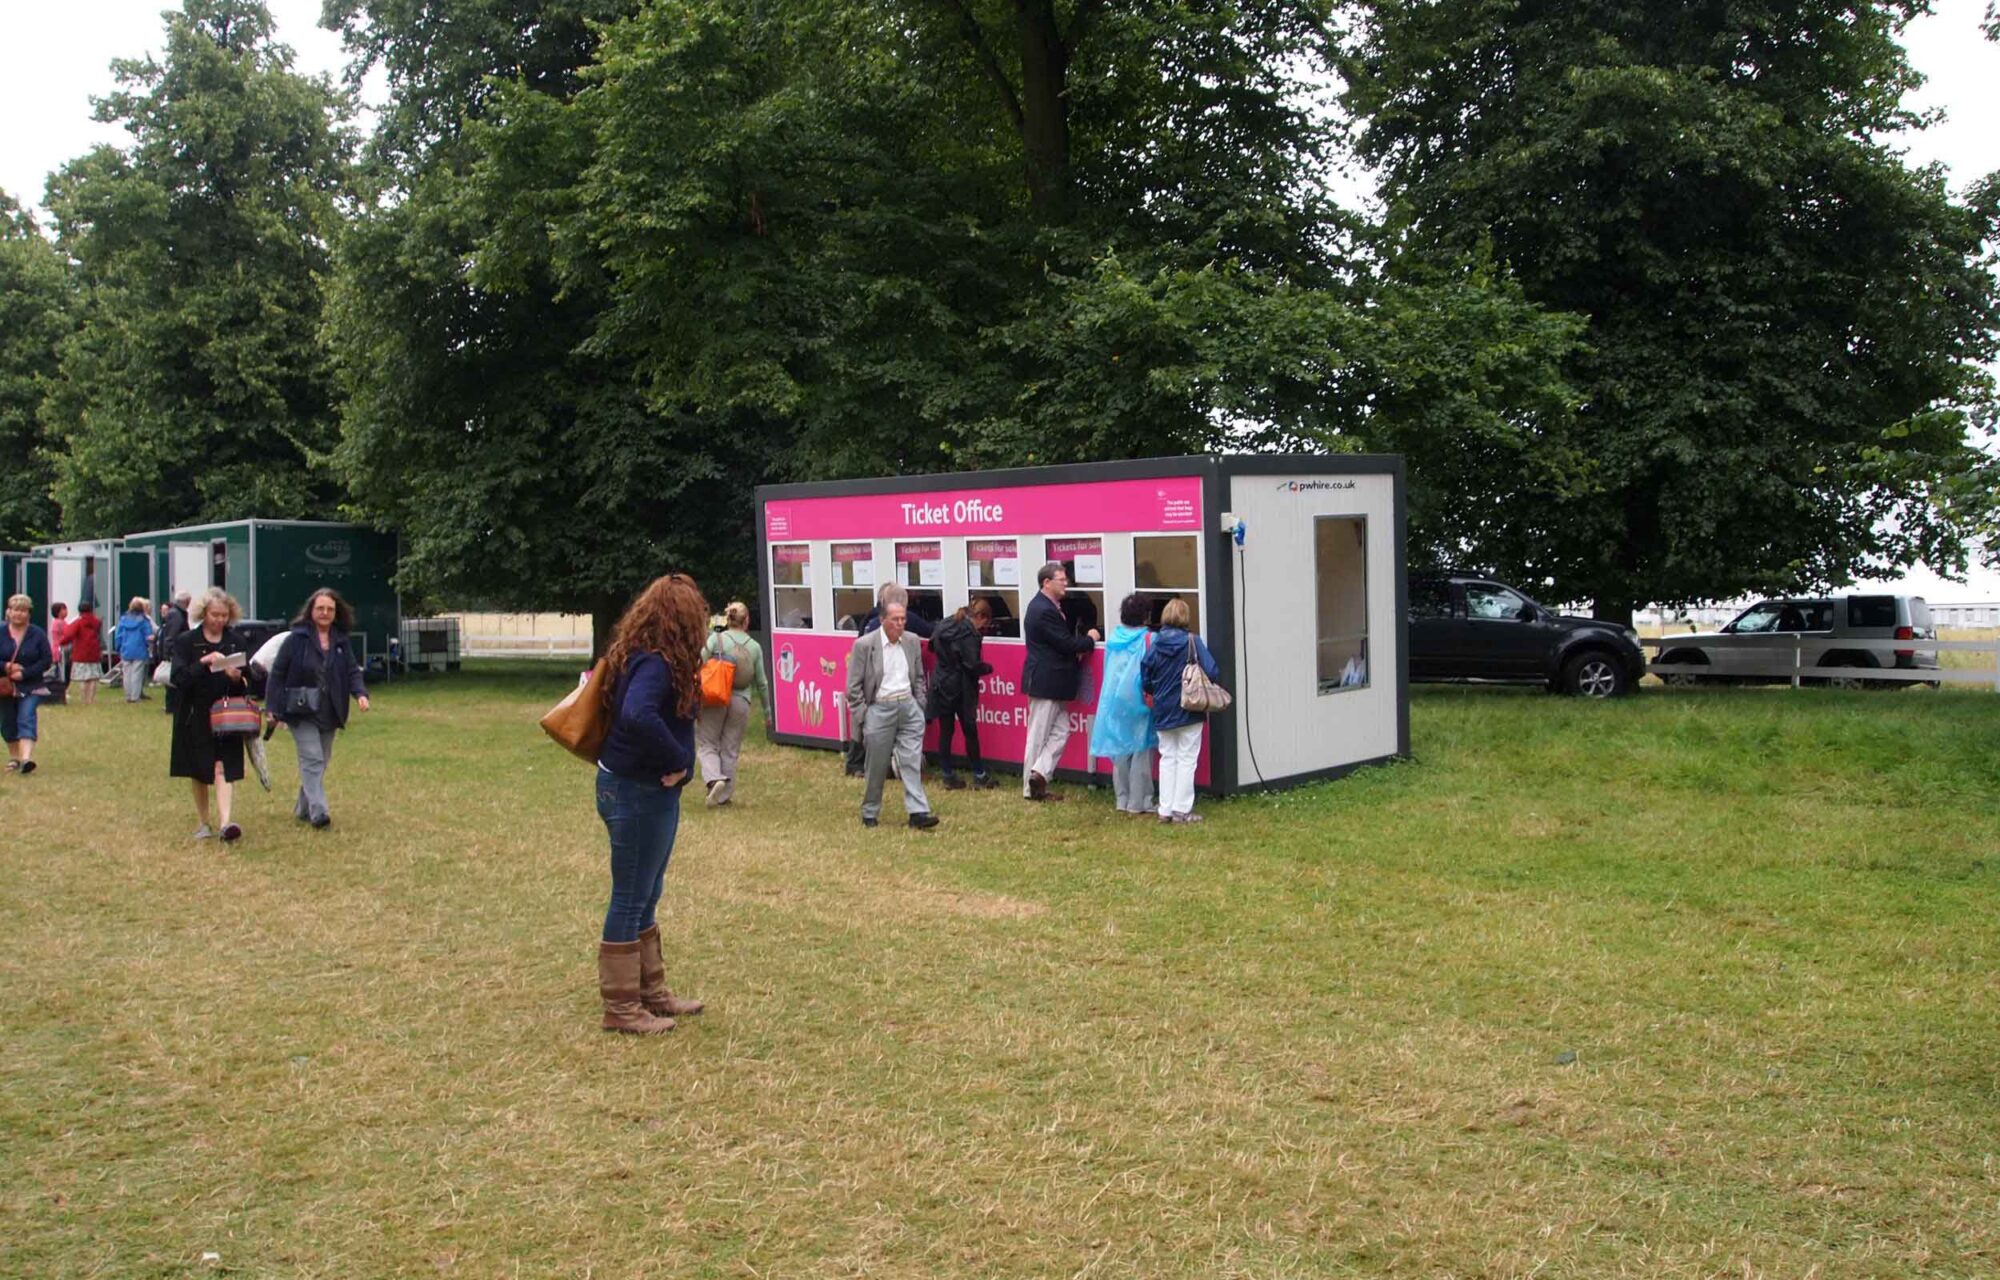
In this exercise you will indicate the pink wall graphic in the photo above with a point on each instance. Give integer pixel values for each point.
(810, 687)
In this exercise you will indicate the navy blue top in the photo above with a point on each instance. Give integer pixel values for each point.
(1161, 670)
(33, 654)
(647, 739)
(301, 665)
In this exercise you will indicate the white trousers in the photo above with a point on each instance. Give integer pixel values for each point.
(1048, 733)
(1179, 750)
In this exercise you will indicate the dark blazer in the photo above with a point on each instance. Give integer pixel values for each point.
(172, 628)
(1053, 669)
(301, 665)
(33, 653)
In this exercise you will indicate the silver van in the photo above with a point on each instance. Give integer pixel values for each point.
(1756, 643)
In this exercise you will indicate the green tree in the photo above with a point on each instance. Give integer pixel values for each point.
(1786, 323)
(35, 306)
(195, 385)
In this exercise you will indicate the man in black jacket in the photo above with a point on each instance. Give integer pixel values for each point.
(1051, 677)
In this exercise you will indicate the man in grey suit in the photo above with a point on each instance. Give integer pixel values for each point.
(885, 697)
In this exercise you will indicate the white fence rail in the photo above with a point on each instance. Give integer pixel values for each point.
(1798, 659)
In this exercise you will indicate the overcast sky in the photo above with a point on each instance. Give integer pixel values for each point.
(56, 57)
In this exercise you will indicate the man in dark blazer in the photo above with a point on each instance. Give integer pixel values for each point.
(1051, 677)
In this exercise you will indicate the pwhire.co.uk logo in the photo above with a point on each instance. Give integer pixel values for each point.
(1308, 486)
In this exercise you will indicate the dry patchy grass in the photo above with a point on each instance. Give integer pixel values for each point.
(1689, 985)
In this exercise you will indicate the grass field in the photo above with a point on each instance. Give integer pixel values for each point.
(1692, 984)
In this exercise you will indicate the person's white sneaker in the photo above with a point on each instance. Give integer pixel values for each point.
(202, 832)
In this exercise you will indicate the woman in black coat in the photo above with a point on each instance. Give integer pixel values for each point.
(954, 695)
(199, 678)
(312, 680)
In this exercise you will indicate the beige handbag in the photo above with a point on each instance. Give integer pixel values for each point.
(1198, 692)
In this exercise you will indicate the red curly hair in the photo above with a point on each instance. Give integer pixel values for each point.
(669, 618)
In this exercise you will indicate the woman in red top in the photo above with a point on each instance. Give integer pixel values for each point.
(86, 652)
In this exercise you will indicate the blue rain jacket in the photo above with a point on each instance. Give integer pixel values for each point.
(1124, 723)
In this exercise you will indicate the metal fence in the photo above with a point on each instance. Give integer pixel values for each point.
(1797, 660)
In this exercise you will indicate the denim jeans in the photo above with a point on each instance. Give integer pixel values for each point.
(641, 817)
(315, 748)
(17, 717)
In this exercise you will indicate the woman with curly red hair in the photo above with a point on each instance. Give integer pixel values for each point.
(653, 693)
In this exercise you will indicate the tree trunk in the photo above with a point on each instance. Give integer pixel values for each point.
(1045, 109)
(605, 610)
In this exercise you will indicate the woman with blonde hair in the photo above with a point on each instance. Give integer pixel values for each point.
(718, 732)
(208, 665)
(1179, 729)
(652, 691)
(133, 639)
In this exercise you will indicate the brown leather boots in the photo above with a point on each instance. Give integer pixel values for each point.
(653, 992)
(633, 981)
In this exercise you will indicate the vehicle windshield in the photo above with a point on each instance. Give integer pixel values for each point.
(1757, 619)
(1485, 600)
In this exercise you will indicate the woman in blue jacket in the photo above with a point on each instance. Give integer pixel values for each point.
(1123, 729)
(25, 657)
(1180, 730)
(311, 682)
(653, 695)
(133, 639)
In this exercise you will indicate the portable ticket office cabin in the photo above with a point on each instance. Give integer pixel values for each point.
(1304, 611)
(270, 566)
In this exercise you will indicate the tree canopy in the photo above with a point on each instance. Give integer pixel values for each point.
(739, 241)
(1786, 322)
(195, 384)
(34, 316)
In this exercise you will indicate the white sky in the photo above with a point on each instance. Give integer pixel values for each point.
(56, 57)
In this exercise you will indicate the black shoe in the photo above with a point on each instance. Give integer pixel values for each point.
(983, 782)
(27, 766)
(322, 822)
(868, 822)
(923, 821)
(1038, 786)
(952, 782)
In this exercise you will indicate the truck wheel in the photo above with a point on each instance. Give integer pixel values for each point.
(1595, 674)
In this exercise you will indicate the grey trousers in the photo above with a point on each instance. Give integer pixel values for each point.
(893, 732)
(315, 754)
(1048, 733)
(135, 679)
(718, 741)
(1132, 781)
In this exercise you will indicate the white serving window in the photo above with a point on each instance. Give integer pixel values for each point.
(1340, 589)
(993, 574)
(791, 585)
(1082, 560)
(853, 583)
(1168, 567)
(920, 567)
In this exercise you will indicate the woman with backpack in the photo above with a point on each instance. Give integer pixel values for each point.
(719, 729)
(312, 680)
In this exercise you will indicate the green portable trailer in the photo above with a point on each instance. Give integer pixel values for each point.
(271, 566)
(10, 572)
